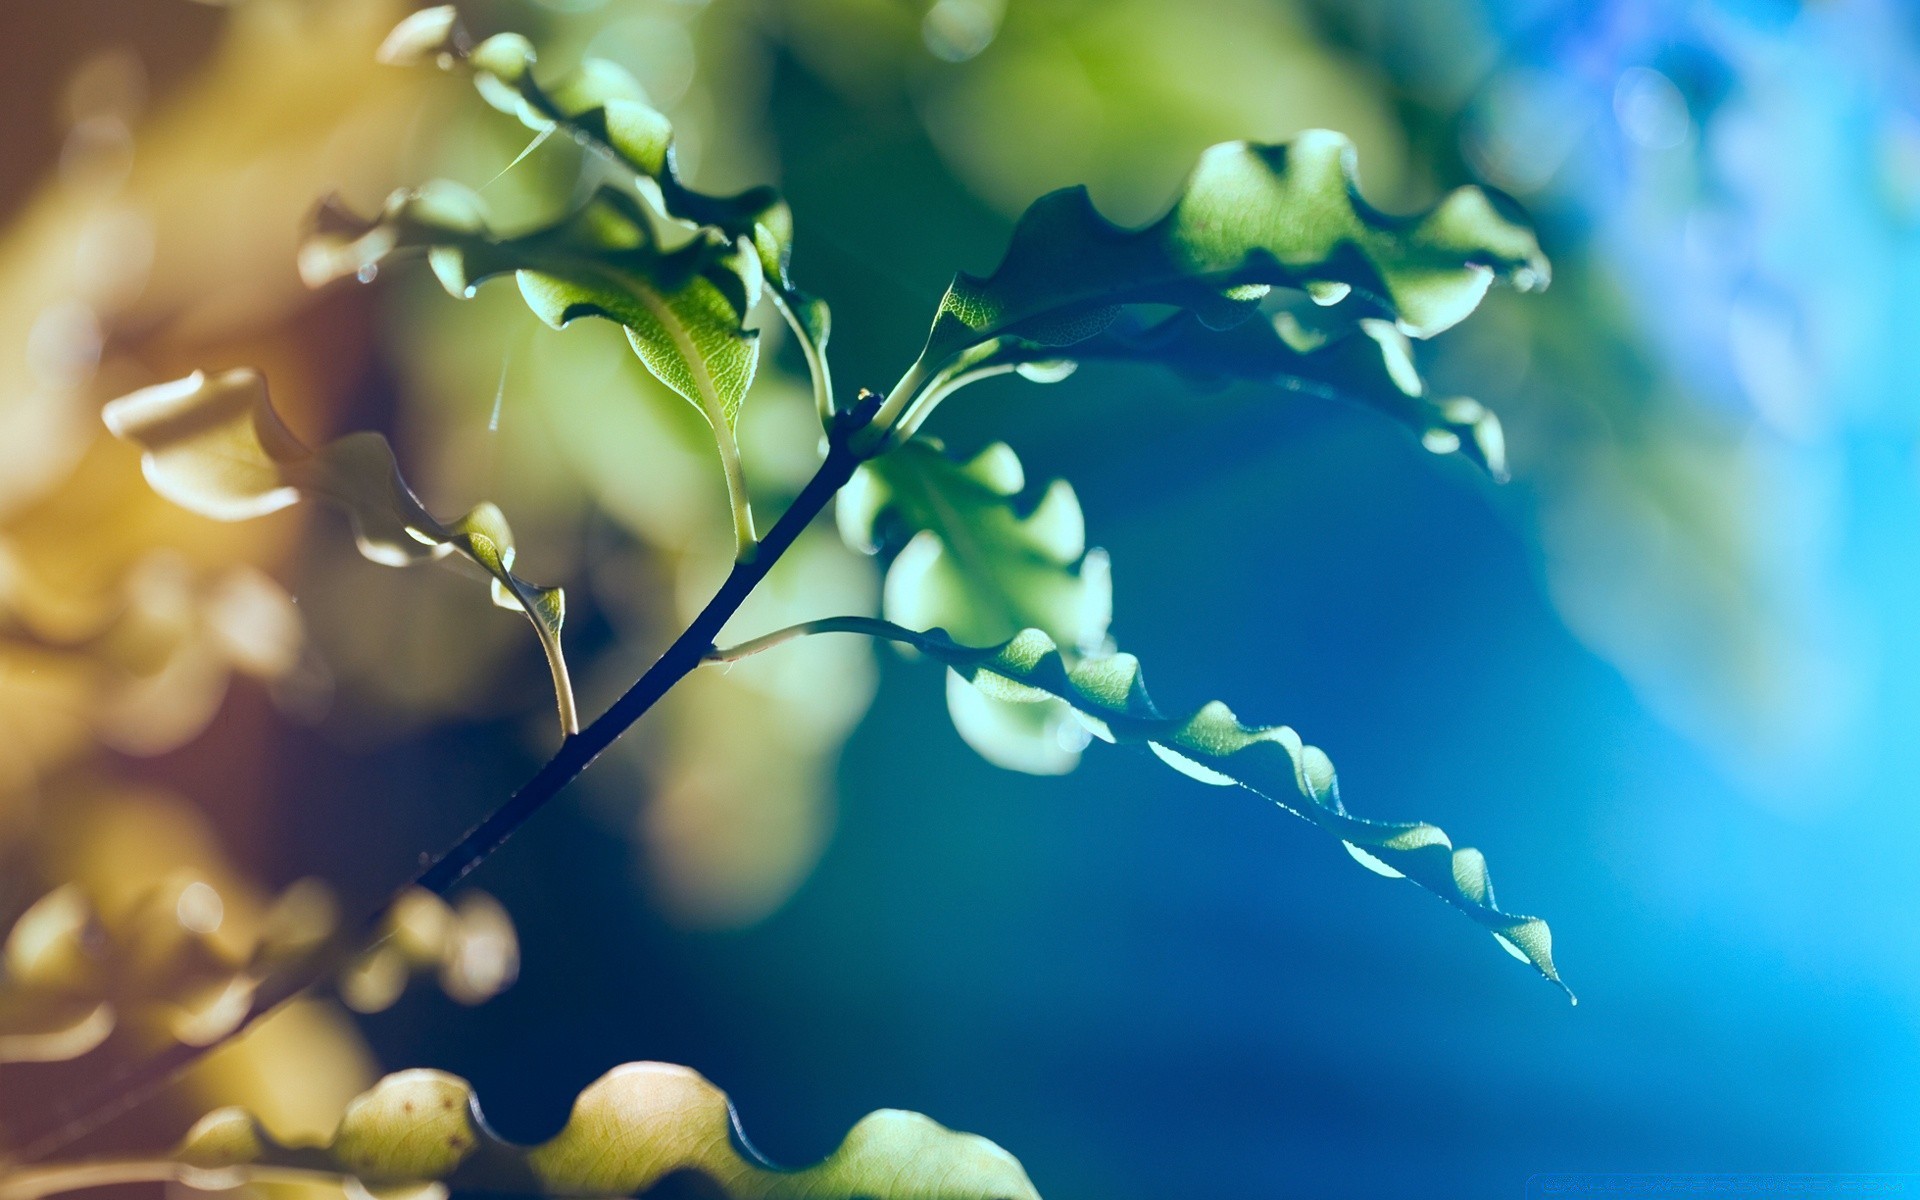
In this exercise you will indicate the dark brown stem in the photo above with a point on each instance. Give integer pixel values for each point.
(66, 1123)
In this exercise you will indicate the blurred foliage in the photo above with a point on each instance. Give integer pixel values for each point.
(163, 964)
(158, 236)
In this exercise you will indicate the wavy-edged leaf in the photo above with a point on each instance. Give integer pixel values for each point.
(641, 1129)
(1211, 745)
(1251, 218)
(970, 557)
(683, 309)
(602, 107)
(216, 446)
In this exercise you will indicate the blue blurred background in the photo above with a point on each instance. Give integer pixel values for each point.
(1668, 678)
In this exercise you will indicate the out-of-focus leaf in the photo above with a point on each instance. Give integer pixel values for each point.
(161, 969)
(1211, 745)
(149, 655)
(124, 860)
(727, 837)
(216, 446)
(167, 965)
(1105, 94)
(471, 945)
(1251, 218)
(640, 1127)
(971, 558)
(600, 105)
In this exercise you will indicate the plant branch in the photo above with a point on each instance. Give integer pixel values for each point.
(66, 1123)
(871, 626)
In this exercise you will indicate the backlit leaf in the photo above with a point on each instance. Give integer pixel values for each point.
(969, 556)
(682, 309)
(1251, 218)
(216, 446)
(600, 105)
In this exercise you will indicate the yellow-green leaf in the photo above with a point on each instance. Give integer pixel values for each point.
(683, 310)
(640, 1127)
(602, 107)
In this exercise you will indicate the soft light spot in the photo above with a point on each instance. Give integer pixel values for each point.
(256, 623)
(112, 256)
(98, 153)
(112, 83)
(199, 908)
(1522, 128)
(1650, 109)
(63, 346)
(656, 51)
(957, 30)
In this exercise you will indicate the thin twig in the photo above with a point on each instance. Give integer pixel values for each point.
(65, 1124)
(870, 626)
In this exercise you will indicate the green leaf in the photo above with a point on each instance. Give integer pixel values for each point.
(683, 309)
(640, 1127)
(1251, 218)
(1211, 745)
(603, 108)
(970, 557)
(216, 446)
